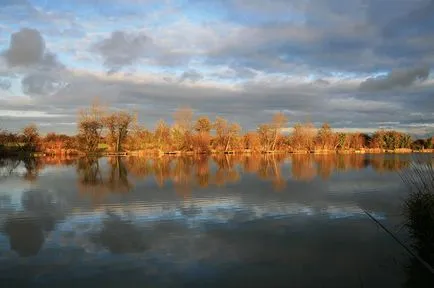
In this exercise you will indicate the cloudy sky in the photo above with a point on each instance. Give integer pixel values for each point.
(357, 64)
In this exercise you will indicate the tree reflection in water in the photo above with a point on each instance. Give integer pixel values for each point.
(92, 181)
(186, 173)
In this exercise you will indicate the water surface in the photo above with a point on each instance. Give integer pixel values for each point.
(226, 221)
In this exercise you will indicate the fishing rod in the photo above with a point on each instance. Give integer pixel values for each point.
(423, 262)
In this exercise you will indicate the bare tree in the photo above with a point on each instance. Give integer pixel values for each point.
(30, 137)
(183, 128)
(266, 136)
(162, 135)
(90, 127)
(117, 124)
(326, 139)
(303, 136)
(278, 122)
(226, 132)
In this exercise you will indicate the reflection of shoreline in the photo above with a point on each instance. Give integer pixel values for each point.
(186, 174)
(264, 165)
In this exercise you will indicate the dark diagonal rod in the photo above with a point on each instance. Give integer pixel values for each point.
(423, 262)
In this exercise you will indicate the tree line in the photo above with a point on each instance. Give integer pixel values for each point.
(102, 130)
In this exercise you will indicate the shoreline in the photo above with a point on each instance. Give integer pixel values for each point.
(160, 153)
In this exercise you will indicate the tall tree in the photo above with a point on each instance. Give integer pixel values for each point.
(117, 124)
(303, 136)
(162, 135)
(183, 128)
(201, 140)
(30, 137)
(90, 127)
(266, 136)
(278, 122)
(226, 133)
(326, 138)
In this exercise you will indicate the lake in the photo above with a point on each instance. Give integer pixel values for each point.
(217, 221)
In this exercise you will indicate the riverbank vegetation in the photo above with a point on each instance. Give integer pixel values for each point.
(100, 130)
(419, 216)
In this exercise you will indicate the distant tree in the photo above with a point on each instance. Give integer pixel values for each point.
(278, 122)
(377, 140)
(266, 136)
(30, 137)
(226, 133)
(251, 141)
(405, 141)
(203, 125)
(343, 141)
(326, 138)
(202, 139)
(418, 144)
(117, 124)
(57, 142)
(182, 130)
(162, 135)
(139, 138)
(429, 143)
(90, 128)
(303, 136)
(357, 141)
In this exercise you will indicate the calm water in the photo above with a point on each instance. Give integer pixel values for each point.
(259, 221)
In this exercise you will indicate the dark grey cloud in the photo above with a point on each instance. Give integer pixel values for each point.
(321, 82)
(353, 36)
(396, 78)
(27, 49)
(40, 84)
(191, 75)
(122, 49)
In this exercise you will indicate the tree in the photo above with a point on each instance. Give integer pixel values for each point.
(30, 137)
(162, 135)
(430, 143)
(356, 141)
(266, 136)
(117, 124)
(183, 128)
(139, 138)
(251, 141)
(325, 138)
(377, 140)
(406, 141)
(278, 122)
(226, 133)
(203, 125)
(202, 139)
(303, 136)
(90, 127)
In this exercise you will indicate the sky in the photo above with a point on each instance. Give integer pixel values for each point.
(359, 65)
